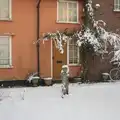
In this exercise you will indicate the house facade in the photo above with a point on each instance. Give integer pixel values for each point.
(18, 30)
(109, 12)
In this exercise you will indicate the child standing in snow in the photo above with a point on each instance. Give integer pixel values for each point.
(65, 81)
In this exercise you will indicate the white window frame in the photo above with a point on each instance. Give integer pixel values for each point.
(10, 55)
(116, 4)
(10, 12)
(74, 64)
(58, 21)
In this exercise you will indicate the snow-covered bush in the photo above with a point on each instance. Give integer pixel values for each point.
(31, 76)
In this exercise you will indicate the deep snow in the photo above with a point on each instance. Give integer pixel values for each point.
(85, 102)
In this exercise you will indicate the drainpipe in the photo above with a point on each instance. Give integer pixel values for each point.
(38, 35)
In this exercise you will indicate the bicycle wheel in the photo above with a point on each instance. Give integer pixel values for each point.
(115, 74)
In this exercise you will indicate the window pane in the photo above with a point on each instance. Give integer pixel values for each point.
(4, 40)
(4, 62)
(4, 9)
(117, 4)
(71, 61)
(4, 51)
(72, 42)
(71, 47)
(67, 11)
(73, 52)
(70, 15)
(75, 60)
(72, 12)
(62, 15)
(74, 5)
(74, 18)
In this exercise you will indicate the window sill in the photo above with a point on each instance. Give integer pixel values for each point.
(67, 22)
(74, 64)
(6, 20)
(6, 66)
(116, 10)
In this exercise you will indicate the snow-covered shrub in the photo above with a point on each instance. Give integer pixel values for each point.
(31, 76)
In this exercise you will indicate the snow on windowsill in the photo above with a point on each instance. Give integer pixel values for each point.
(116, 10)
(6, 20)
(6, 66)
(74, 65)
(62, 22)
(9, 34)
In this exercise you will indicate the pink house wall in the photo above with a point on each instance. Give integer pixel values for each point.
(74, 71)
(23, 25)
(48, 23)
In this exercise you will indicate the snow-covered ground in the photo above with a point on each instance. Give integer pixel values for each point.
(85, 102)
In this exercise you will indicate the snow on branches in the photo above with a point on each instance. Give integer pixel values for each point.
(59, 38)
(96, 36)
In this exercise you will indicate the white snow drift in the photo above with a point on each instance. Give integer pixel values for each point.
(85, 102)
